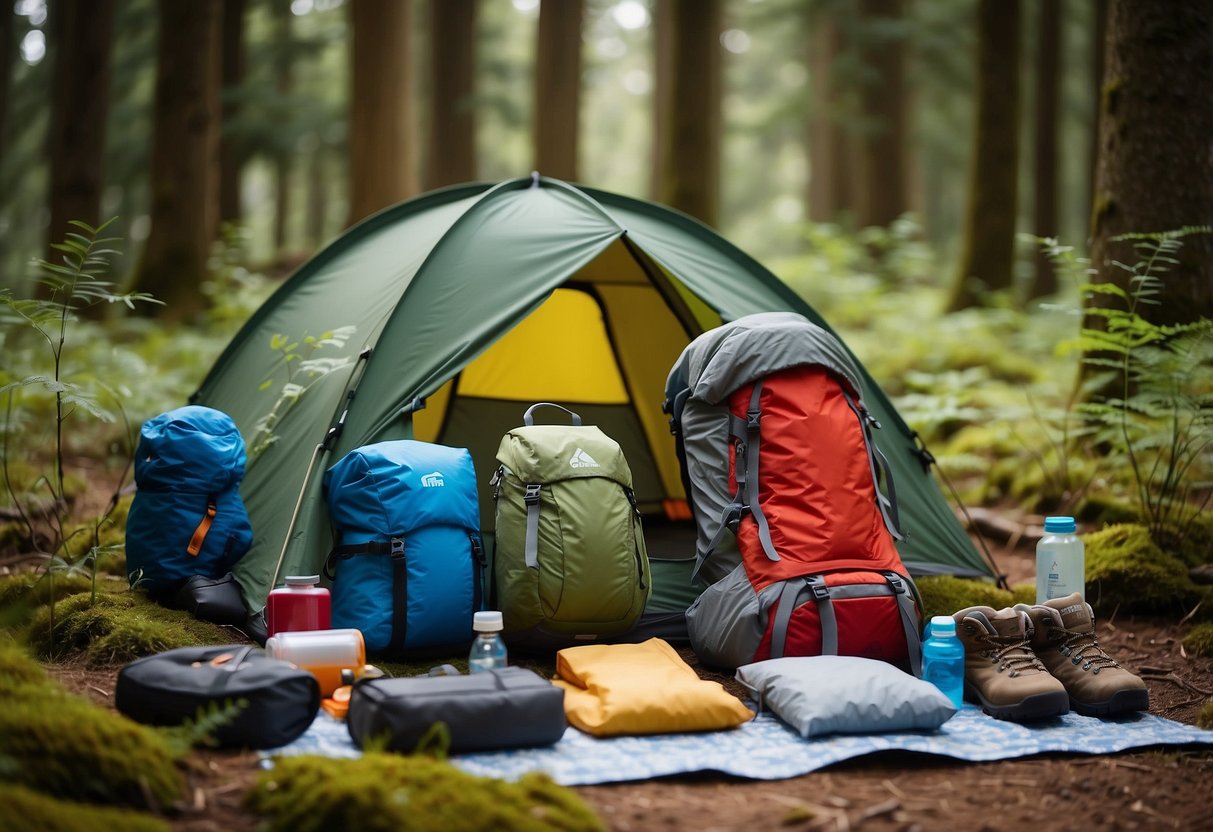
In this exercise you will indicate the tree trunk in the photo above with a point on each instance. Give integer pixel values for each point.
(988, 255)
(231, 156)
(79, 107)
(663, 69)
(824, 168)
(691, 149)
(1048, 84)
(185, 150)
(283, 34)
(1155, 171)
(317, 197)
(381, 170)
(7, 19)
(452, 133)
(882, 161)
(557, 104)
(1098, 59)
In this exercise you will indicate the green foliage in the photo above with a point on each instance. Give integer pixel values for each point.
(396, 793)
(1160, 417)
(19, 672)
(298, 368)
(25, 809)
(945, 595)
(1126, 571)
(200, 731)
(118, 627)
(68, 288)
(1199, 640)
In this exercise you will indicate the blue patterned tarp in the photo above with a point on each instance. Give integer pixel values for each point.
(767, 749)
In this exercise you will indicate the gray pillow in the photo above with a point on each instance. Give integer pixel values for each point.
(844, 694)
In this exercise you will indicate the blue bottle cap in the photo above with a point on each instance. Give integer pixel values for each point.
(1060, 525)
(941, 625)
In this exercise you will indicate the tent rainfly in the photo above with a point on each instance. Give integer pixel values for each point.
(445, 316)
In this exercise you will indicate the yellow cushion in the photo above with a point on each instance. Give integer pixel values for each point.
(612, 689)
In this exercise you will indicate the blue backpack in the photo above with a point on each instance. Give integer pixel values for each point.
(187, 517)
(408, 568)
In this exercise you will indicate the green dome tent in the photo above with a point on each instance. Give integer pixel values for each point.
(447, 315)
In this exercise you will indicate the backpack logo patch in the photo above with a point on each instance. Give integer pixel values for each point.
(580, 459)
(433, 480)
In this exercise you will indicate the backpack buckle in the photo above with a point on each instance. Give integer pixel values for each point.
(817, 585)
(531, 495)
(899, 586)
(751, 419)
(396, 547)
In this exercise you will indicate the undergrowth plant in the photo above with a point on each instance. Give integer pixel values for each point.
(1153, 404)
(78, 282)
(297, 369)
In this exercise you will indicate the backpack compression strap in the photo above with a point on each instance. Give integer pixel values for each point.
(531, 545)
(879, 464)
(199, 535)
(745, 471)
(395, 548)
(794, 590)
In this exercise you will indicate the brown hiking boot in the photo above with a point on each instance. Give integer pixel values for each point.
(1001, 671)
(1065, 642)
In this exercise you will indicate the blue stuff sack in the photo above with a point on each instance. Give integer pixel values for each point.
(187, 517)
(408, 566)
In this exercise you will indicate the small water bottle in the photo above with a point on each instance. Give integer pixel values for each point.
(1060, 561)
(488, 650)
(943, 658)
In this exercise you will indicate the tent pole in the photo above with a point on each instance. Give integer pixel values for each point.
(330, 439)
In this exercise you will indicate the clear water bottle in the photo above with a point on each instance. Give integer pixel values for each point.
(488, 650)
(943, 658)
(1060, 561)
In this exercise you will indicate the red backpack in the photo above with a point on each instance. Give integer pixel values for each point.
(782, 477)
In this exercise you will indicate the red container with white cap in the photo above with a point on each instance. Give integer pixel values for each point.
(299, 606)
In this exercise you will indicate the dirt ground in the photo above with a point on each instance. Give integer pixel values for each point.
(1146, 790)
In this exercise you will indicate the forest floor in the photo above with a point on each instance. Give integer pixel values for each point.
(1147, 790)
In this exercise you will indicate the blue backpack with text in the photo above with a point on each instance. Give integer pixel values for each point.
(408, 566)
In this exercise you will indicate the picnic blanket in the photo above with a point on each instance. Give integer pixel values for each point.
(767, 749)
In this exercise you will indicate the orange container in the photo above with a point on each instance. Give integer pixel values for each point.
(323, 653)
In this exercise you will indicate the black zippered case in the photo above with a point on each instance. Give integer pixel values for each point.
(172, 687)
(498, 709)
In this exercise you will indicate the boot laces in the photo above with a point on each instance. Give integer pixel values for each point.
(1084, 649)
(1015, 656)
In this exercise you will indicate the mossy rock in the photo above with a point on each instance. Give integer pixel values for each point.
(1199, 640)
(945, 595)
(1126, 571)
(1204, 719)
(23, 593)
(119, 627)
(1103, 510)
(1024, 593)
(66, 746)
(25, 809)
(396, 793)
(1194, 545)
(19, 673)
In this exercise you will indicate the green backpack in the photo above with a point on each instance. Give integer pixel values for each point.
(570, 564)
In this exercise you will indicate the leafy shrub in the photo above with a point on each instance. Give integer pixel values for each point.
(25, 809)
(392, 793)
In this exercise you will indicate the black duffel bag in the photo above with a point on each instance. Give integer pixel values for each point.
(507, 708)
(279, 700)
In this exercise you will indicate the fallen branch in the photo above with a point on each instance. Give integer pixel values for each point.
(1173, 679)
